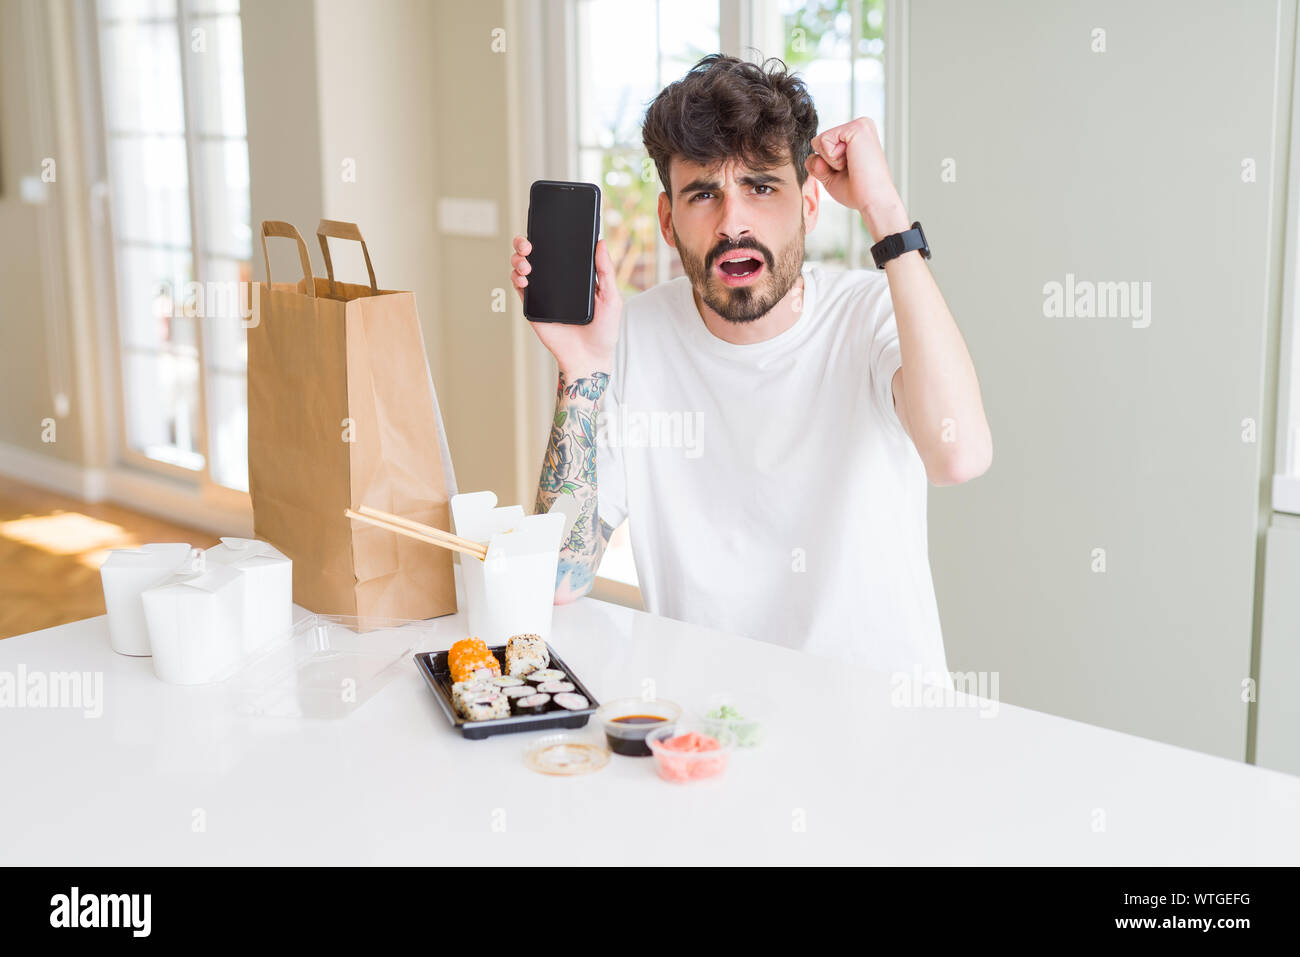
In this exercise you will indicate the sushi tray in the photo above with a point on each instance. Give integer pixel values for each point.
(505, 697)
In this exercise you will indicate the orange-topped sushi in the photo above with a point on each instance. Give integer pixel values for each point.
(471, 655)
(464, 646)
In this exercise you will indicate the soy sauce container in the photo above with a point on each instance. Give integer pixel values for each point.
(627, 721)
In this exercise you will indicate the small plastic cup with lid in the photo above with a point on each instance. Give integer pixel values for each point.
(627, 721)
(686, 752)
(742, 715)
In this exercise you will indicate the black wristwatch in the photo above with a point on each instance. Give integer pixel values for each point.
(891, 247)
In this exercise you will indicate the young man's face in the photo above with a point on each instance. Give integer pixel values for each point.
(739, 232)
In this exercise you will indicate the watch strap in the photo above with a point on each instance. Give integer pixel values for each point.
(894, 245)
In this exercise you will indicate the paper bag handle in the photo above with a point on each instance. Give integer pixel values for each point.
(340, 230)
(275, 227)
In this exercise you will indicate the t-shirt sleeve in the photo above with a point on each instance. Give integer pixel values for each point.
(611, 471)
(886, 359)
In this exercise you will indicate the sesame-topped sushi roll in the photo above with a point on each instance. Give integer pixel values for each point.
(474, 686)
(482, 705)
(526, 654)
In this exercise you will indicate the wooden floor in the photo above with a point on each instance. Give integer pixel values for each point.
(51, 548)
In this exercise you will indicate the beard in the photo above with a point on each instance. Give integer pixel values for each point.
(744, 303)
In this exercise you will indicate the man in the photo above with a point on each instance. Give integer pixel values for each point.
(823, 399)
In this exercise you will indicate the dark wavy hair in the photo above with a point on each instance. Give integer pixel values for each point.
(727, 108)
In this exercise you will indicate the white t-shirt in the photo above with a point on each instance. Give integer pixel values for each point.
(771, 489)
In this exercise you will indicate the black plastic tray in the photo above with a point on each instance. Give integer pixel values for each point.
(433, 665)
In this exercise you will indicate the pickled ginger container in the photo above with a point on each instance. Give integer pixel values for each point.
(267, 612)
(512, 591)
(125, 574)
(194, 620)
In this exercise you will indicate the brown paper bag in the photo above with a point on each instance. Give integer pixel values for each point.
(342, 413)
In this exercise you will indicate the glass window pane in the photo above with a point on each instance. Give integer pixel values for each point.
(629, 222)
(228, 429)
(818, 44)
(225, 339)
(829, 82)
(618, 563)
(829, 242)
(225, 199)
(213, 6)
(151, 198)
(869, 91)
(617, 70)
(183, 332)
(815, 30)
(142, 77)
(626, 54)
(153, 286)
(161, 309)
(218, 72)
(162, 405)
(674, 261)
(127, 9)
(688, 30)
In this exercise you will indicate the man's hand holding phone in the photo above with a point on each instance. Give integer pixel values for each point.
(580, 350)
(585, 353)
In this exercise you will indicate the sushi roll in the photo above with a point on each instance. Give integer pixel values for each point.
(466, 644)
(571, 702)
(526, 654)
(532, 704)
(484, 705)
(555, 687)
(472, 661)
(506, 681)
(464, 647)
(520, 690)
(473, 686)
(546, 674)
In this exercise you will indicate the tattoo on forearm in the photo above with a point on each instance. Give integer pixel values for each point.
(579, 572)
(592, 387)
(569, 468)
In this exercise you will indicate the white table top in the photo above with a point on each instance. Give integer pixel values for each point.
(863, 782)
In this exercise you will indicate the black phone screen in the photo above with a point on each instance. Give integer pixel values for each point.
(563, 223)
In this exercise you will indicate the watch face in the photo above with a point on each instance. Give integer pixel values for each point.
(925, 243)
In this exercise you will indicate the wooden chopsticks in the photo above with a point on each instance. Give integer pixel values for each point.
(417, 530)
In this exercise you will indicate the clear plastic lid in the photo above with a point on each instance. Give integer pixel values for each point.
(328, 666)
(566, 754)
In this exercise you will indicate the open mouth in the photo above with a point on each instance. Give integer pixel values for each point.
(739, 268)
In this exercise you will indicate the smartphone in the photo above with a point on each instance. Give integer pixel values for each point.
(563, 225)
